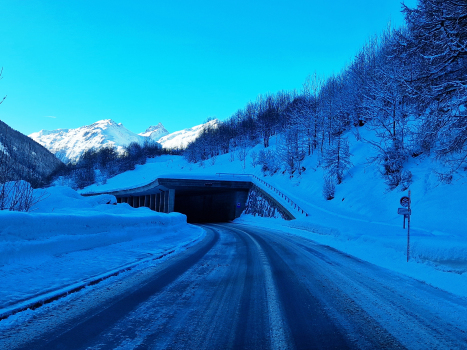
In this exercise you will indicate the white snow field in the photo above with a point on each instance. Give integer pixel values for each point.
(68, 241)
(361, 220)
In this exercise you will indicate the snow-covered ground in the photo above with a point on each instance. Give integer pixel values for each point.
(70, 240)
(362, 219)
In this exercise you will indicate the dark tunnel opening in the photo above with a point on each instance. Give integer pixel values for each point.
(202, 201)
(210, 205)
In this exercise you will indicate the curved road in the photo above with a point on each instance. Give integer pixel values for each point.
(249, 288)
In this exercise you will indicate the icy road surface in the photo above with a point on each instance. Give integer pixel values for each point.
(248, 288)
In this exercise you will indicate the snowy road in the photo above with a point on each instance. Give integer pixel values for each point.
(246, 288)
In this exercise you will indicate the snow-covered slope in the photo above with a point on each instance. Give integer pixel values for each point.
(155, 132)
(24, 158)
(69, 144)
(180, 139)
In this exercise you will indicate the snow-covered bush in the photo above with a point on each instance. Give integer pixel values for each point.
(336, 159)
(329, 188)
(254, 158)
(268, 161)
(393, 172)
(18, 196)
(292, 149)
(406, 180)
(445, 178)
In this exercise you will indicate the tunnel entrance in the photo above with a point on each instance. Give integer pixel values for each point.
(210, 205)
(200, 200)
(211, 199)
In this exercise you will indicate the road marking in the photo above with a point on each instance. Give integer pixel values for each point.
(278, 338)
(276, 322)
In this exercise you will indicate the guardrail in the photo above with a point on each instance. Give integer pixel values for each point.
(290, 201)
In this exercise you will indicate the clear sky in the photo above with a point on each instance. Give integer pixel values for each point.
(70, 63)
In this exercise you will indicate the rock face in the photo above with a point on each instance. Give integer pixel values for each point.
(24, 159)
(69, 144)
(155, 132)
(258, 205)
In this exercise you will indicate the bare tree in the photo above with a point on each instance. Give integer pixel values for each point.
(4, 97)
(336, 159)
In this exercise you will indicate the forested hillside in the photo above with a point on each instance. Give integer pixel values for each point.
(21, 158)
(408, 85)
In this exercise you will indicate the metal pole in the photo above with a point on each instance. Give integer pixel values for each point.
(408, 231)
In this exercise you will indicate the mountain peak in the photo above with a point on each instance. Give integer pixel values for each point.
(155, 127)
(181, 139)
(70, 144)
(105, 123)
(155, 132)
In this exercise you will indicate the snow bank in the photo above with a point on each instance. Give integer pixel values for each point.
(440, 263)
(450, 252)
(65, 221)
(68, 240)
(26, 236)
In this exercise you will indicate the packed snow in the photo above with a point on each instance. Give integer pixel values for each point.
(68, 239)
(362, 219)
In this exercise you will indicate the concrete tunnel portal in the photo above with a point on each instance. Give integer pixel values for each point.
(200, 200)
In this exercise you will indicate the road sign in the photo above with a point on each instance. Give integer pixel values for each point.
(406, 211)
(403, 211)
(405, 201)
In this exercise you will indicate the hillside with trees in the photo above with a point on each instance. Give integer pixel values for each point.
(98, 165)
(21, 158)
(407, 85)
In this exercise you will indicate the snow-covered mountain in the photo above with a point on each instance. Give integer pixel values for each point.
(180, 139)
(24, 159)
(69, 144)
(155, 132)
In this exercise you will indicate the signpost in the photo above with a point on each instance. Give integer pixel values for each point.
(406, 211)
(403, 211)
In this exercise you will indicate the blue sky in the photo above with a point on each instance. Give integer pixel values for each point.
(71, 63)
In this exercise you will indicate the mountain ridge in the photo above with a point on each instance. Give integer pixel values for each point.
(155, 132)
(69, 144)
(21, 158)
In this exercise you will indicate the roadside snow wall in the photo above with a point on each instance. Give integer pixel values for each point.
(65, 222)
